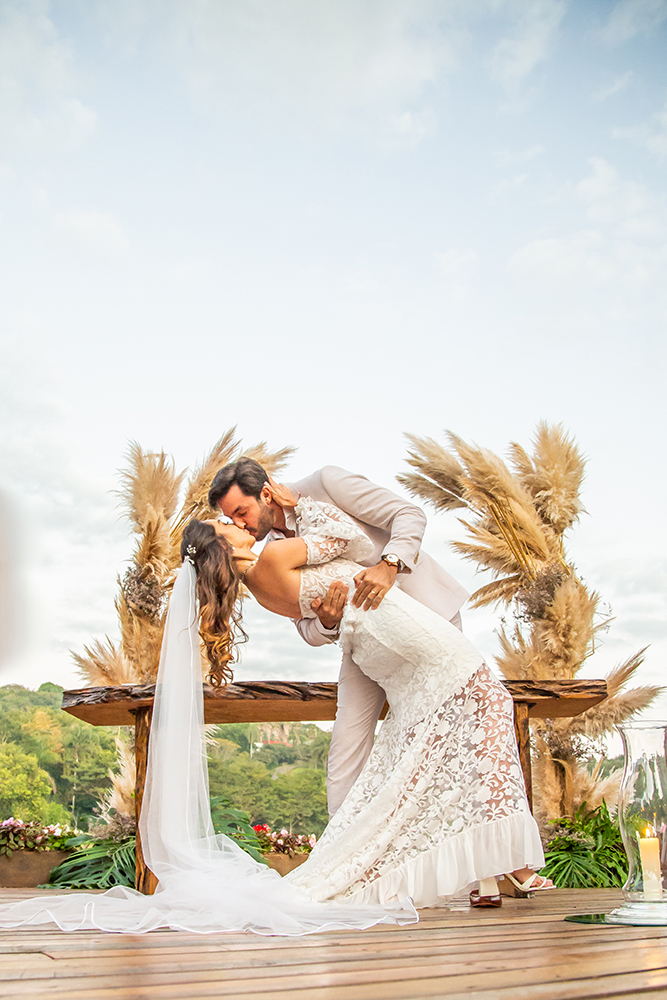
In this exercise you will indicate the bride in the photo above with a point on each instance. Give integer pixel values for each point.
(439, 806)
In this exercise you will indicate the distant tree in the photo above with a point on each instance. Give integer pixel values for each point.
(246, 782)
(24, 786)
(237, 732)
(299, 801)
(273, 755)
(74, 756)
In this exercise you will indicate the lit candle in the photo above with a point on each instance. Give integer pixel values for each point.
(649, 853)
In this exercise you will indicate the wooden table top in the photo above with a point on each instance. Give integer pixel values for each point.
(301, 701)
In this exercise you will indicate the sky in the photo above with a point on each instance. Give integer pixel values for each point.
(329, 222)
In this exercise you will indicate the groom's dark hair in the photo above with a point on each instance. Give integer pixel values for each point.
(247, 474)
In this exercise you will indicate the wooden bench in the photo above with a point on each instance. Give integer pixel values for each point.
(299, 701)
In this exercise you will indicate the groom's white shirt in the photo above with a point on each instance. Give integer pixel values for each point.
(394, 525)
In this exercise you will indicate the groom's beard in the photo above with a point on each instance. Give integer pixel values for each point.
(264, 522)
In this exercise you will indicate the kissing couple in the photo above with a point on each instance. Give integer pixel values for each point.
(432, 807)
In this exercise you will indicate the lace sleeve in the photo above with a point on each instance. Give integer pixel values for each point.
(328, 533)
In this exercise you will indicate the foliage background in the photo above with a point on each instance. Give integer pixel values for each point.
(55, 768)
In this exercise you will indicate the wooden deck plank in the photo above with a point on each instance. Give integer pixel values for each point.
(524, 951)
(370, 968)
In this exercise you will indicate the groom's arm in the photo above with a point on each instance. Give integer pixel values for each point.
(380, 508)
(377, 507)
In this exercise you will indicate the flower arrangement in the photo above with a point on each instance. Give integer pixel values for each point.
(15, 835)
(282, 841)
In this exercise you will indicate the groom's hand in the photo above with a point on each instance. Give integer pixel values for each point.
(330, 609)
(372, 584)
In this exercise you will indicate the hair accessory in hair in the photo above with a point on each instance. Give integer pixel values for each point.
(191, 550)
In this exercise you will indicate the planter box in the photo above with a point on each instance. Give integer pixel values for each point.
(283, 863)
(28, 869)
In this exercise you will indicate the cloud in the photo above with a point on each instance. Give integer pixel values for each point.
(633, 17)
(60, 524)
(652, 135)
(457, 268)
(621, 83)
(630, 209)
(509, 157)
(611, 266)
(517, 54)
(338, 65)
(39, 112)
(91, 230)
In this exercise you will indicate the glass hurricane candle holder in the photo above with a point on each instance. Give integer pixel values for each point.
(642, 815)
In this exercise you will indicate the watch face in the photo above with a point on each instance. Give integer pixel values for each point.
(391, 559)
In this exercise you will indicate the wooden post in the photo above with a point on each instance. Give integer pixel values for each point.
(144, 879)
(522, 730)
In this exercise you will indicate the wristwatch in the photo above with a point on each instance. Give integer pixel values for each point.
(392, 560)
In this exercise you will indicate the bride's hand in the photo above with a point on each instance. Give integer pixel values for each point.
(282, 496)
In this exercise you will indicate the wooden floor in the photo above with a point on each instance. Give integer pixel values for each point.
(524, 951)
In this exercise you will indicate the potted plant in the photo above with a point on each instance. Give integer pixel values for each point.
(283, 851)
(29, 851)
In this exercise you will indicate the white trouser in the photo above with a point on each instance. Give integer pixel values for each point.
(360, 702)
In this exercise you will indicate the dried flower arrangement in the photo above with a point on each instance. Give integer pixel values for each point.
(150, 495)
(517, 518)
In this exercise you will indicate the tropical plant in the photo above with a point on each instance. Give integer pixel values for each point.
(586, 851)
(517, 516)
(96, 864)
(235, 823)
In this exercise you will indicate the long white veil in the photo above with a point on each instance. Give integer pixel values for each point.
(206, 882)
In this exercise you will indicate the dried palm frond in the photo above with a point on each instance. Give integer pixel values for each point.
(430, 492)
(141, 642)
(498, 552)
(515, 525)
(271, 461)
(103, 664)
(554, 476)
(151, 556)
(588, 788)
(195, 503)
(601, 719)
(567, 627)
(504, 590)
(121, 796)
(620, 675)
(515, 656)
(149, 484)
(441, 475)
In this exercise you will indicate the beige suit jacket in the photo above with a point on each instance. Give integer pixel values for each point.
(394, 525)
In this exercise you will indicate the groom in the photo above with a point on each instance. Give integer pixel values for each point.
(248, 496)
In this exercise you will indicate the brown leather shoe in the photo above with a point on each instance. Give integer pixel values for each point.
(485, 901)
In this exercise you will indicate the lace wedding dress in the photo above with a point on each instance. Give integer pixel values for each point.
(441, 801)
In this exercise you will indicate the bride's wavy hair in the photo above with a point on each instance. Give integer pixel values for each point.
(218, 587)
